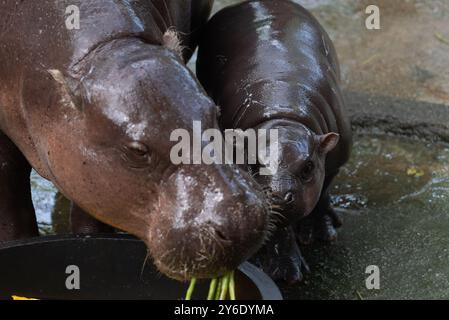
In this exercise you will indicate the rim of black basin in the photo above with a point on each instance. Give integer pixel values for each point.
(110, 267)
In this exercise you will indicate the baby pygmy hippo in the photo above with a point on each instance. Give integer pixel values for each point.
(269, 64)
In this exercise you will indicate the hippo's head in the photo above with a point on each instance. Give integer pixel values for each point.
(197, 220)
(296, 186)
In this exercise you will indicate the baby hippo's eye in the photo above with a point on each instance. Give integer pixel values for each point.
(307, 171)
(137, 154)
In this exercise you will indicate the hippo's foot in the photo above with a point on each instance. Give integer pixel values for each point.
(320, 225)
(281, 257)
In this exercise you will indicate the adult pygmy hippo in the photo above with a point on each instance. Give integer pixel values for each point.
(268, 64)
(92, 109)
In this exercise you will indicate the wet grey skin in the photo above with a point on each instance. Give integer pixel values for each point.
(92, 111)
(270, 65)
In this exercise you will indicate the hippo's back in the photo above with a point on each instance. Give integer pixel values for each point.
(40, 34)
(37, 36)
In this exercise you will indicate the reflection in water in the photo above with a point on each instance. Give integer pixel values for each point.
(393, 197)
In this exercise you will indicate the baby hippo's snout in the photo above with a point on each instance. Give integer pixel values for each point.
(209, 220)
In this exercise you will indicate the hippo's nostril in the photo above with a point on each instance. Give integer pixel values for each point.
(288, 197)
(277, 199)
(283, 199)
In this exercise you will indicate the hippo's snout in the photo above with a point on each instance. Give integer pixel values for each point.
(209, 220)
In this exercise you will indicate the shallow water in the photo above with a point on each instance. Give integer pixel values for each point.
(393, 197)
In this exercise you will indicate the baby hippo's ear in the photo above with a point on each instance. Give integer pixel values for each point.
(328, 142)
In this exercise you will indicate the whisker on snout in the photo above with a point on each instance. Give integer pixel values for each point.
(274, 214)
(144, 263)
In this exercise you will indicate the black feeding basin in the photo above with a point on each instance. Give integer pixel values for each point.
(110, 267)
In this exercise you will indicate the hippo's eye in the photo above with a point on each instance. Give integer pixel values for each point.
(136, 153)
(138, 148)
(307, 171)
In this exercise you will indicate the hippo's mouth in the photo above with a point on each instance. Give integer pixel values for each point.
(207, 250)
(209, 232)
(207, 253)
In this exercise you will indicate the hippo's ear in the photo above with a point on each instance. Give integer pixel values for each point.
(65, 89)
(172, 41)
(328, 142)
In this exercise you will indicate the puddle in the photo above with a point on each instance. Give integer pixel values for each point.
(394, 199)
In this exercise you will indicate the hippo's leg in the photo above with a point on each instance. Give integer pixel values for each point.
(281, 257)
(17, 217)
(82, 223)
(321, 224)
